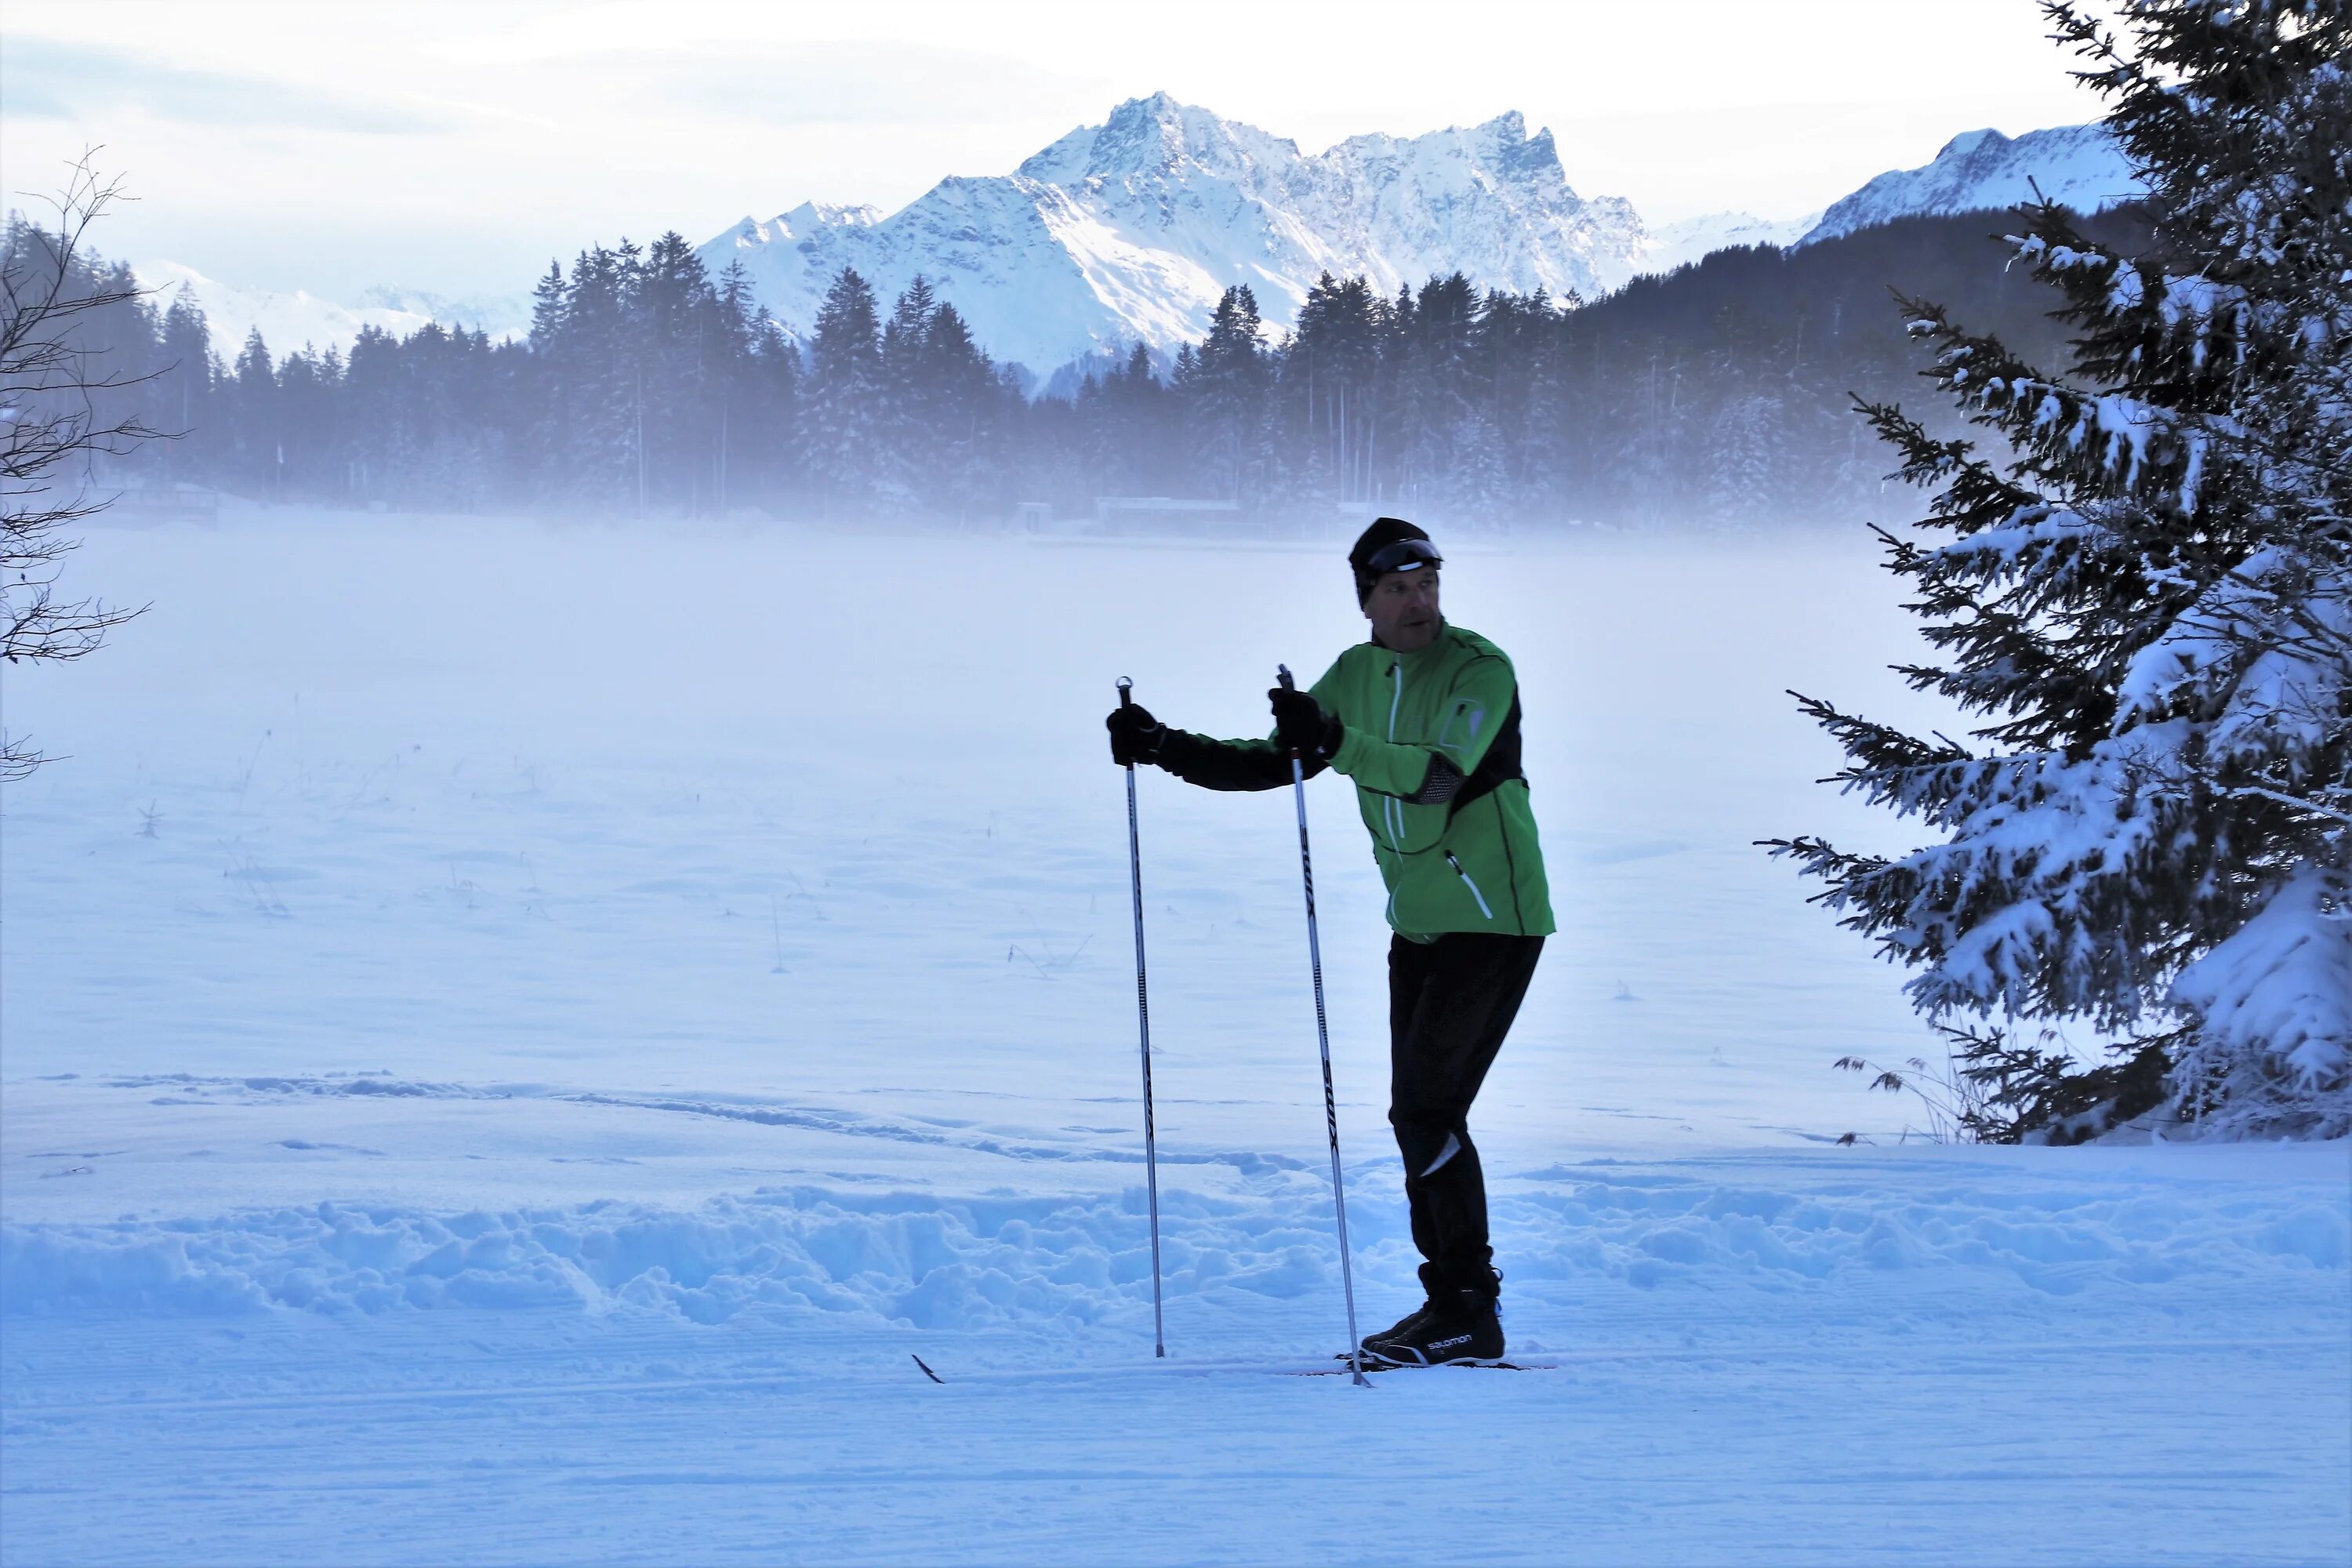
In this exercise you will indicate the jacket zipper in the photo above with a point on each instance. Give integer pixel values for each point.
(1469, 883)
(1391, 813)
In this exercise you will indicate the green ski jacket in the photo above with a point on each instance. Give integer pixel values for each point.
(1432, 741)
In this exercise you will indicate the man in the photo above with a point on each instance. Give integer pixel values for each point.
(1425, 718)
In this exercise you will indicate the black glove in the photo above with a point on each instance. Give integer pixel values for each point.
(1135, 734)
(1302, 726)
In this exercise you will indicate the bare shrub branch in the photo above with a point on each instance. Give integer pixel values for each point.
(56, 420)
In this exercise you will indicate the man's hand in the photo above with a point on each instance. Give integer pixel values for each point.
(1135, 734)
(1302, 726)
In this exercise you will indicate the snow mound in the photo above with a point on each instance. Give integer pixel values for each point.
(2280, 988)
(979, 1263)
(907, 1258)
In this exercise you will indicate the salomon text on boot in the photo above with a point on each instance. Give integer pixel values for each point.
(1461, 1325)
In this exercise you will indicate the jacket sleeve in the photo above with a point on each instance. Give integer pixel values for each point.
(1476, 710)
(1228, 764)
(1241, 765)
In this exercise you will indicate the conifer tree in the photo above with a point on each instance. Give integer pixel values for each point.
(253, 412)
(545, 385)
(961, 447)
(183, 383)
(1434, 344)
(772, 380)
(1477, 486)
(906, 402)
(840, 407)
(736, 400)
(598, 462)
(2146, 600)
(676, 343)
(1226, 385)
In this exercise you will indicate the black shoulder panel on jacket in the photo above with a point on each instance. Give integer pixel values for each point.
(1499, 765)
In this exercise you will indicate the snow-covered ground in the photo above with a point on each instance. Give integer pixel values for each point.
(514, 1036)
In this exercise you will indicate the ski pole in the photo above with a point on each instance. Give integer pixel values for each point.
(1143, 1026)
(1323, 1040)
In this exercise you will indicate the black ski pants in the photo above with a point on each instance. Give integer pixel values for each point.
(1450, 1002)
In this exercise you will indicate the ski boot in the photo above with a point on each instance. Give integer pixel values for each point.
(1375, 1344)
(1467, 1328)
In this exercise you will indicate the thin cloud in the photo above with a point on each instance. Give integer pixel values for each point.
(52, 79)
(842, 83)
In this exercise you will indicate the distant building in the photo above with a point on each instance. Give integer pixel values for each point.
(150, 505)
(1164, 516)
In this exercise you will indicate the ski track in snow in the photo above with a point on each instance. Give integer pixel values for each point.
(1905, 1355)
(496, 1117)
(189, 1089)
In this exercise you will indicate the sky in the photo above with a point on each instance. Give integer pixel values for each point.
(458, 148)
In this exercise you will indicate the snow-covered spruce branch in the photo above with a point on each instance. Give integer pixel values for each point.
(2296, 802)
(2150, 601)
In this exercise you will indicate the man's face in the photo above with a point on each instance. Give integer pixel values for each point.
(1403, 608)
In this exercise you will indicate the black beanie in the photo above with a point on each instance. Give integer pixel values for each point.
(1383, 533)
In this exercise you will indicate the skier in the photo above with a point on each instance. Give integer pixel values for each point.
(1425, 718)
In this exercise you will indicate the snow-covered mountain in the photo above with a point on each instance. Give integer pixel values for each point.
(1129, 230)
(2079, 166)
(290, 320)
(287, 320)
(501, 315)
(1674, 245)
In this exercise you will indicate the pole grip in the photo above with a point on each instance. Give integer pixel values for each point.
(1282, 675)
(1126, 692)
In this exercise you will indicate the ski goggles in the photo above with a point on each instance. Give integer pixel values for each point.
(1402, 556)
